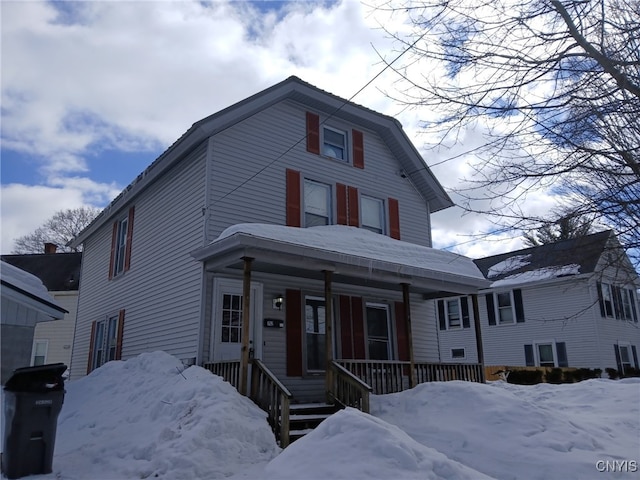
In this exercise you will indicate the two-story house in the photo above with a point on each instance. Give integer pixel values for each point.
(571, 303)
(292, 228)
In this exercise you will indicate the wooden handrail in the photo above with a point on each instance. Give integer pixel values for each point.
(273, 397)
(348, 389)
(390, 376)
(228, 369)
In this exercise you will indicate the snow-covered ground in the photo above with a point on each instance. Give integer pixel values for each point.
(149, 418)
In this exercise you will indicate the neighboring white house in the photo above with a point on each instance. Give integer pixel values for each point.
(60, 274)
(218, 216)
(571, 303)
(25, 302)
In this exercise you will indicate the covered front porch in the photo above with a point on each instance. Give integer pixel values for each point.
(354, 290)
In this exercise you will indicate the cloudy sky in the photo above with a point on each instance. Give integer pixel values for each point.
(94, 91)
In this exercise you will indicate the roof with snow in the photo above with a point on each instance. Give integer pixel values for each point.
(293, 88)
(560, 259)
(27, 289)
(60, 272)
(354, 255)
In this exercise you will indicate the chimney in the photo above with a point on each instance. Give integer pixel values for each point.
(50, 247)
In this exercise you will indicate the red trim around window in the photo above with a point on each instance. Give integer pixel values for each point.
(313, 133)
(358, 148)
(394, 218)
(354, 212)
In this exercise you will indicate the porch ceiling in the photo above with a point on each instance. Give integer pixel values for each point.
(355, 256)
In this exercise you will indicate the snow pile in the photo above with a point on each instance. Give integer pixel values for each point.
(529, 432)
(508, 265)
(352, 445)
(147, 418)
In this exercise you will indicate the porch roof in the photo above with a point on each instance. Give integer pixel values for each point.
(355, 256)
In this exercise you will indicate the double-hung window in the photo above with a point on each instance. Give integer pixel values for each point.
(372, 211)
(607, 299)
(546, 357)
(317, 204)
(39, 356)
(334, 143)
(378, 331)
(504, 305)
(625, 358)
(626, 307)
(121, 244)
(315, 333)
(106, 340)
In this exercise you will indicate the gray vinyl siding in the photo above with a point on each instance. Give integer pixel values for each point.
(559, 312)
(424, 331)
(458, 338)
(248, 163)
(161, 292)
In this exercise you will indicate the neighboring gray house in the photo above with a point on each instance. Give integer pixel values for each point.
(571, 303)
(60, 274)
(163, 270)
(25, 302)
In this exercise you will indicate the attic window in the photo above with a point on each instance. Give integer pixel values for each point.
(334, 143)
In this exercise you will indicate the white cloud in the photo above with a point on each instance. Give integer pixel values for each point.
(26, 207)
(134, 76)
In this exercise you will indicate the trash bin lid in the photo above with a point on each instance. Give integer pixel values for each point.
(38, 378)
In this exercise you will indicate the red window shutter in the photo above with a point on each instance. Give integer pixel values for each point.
(346, 333)
(120, 333)
(114, 236)
(358, 149)
(401, 332)
(394, 219)
(92, 341)
(127, 252)
(354, 213)
(341, 203)
(313, 133)
(293, 198)
(357, 318)
(293, 319)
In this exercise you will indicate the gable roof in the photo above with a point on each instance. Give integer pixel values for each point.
(568, 257)
(293, 88)
(59, 272)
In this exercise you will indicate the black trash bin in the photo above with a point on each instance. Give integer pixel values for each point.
(33, 398)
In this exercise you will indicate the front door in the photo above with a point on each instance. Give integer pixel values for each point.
(227, 319)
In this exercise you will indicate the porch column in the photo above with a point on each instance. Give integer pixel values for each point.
(328, 330)
(413, 381)
(246, 319)
(476, 324)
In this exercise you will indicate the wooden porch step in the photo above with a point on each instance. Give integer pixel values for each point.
(304, 417)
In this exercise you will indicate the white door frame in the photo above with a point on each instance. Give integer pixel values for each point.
(233, 286)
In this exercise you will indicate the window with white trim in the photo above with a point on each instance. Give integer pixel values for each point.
(626, 306)
(453, 313)
(39, 352)
(231, 324)
(379, 346)
(334, 143)
(546, 355)
(505, 308)
(372, 212)
(121, 246)
(315, 333)
(626, 363)
(105, 341)
(607, 299)
(317, 203)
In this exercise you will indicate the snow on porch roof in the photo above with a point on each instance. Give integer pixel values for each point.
(352, 249)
